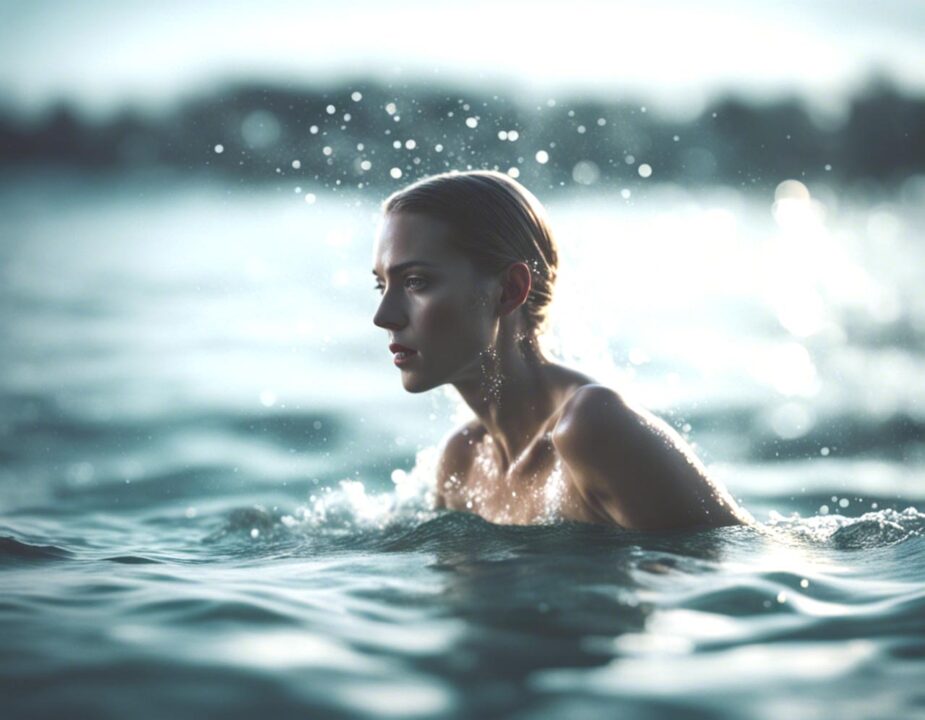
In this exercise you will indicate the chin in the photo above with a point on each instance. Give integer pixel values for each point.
(413, 385)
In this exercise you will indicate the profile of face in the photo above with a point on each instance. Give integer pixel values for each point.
(434, 301)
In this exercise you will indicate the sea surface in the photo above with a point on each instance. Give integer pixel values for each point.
(214, 493)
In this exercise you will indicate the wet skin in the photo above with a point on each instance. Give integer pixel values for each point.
(547, 441)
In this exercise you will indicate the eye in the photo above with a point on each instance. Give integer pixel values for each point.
(379, 287)
(415, 283)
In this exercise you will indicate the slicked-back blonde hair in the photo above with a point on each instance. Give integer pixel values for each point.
(496, 221)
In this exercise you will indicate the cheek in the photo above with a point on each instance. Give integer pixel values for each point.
(453, 323)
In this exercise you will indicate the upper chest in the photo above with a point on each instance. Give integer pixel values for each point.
(537, 487)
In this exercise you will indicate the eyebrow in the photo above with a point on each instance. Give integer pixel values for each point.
(395, 269)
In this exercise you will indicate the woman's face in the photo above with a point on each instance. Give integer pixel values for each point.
(434, 301)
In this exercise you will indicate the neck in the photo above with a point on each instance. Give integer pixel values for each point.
(511, 396)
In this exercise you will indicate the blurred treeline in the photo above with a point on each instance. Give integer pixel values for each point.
(358, 133)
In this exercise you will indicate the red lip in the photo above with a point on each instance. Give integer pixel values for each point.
(395, 347)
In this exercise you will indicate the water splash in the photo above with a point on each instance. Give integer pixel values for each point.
(874, 529)
(351, 505)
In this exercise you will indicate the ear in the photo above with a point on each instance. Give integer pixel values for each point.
(515, 287)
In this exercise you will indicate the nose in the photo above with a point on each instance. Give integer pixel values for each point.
(390, 315)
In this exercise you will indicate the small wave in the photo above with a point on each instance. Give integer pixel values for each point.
(258, 531)
(256, 526)
(16, 550)
(445, 531)
(132, 560)
(881, 528)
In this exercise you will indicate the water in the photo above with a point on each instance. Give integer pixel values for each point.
(214, 491)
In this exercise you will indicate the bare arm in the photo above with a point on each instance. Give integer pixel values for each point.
(633, 468)
(453, 467)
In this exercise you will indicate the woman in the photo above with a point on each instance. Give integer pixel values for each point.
(466, 264)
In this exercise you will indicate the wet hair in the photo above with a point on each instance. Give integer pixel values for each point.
(496, 221)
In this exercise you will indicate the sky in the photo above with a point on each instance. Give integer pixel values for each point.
(103, 54)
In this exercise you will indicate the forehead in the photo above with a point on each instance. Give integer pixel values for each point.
(407, 236)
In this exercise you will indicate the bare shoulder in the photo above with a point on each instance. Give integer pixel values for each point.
(596, 413)
(586, 407)
(455, 460)
(633, 467)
